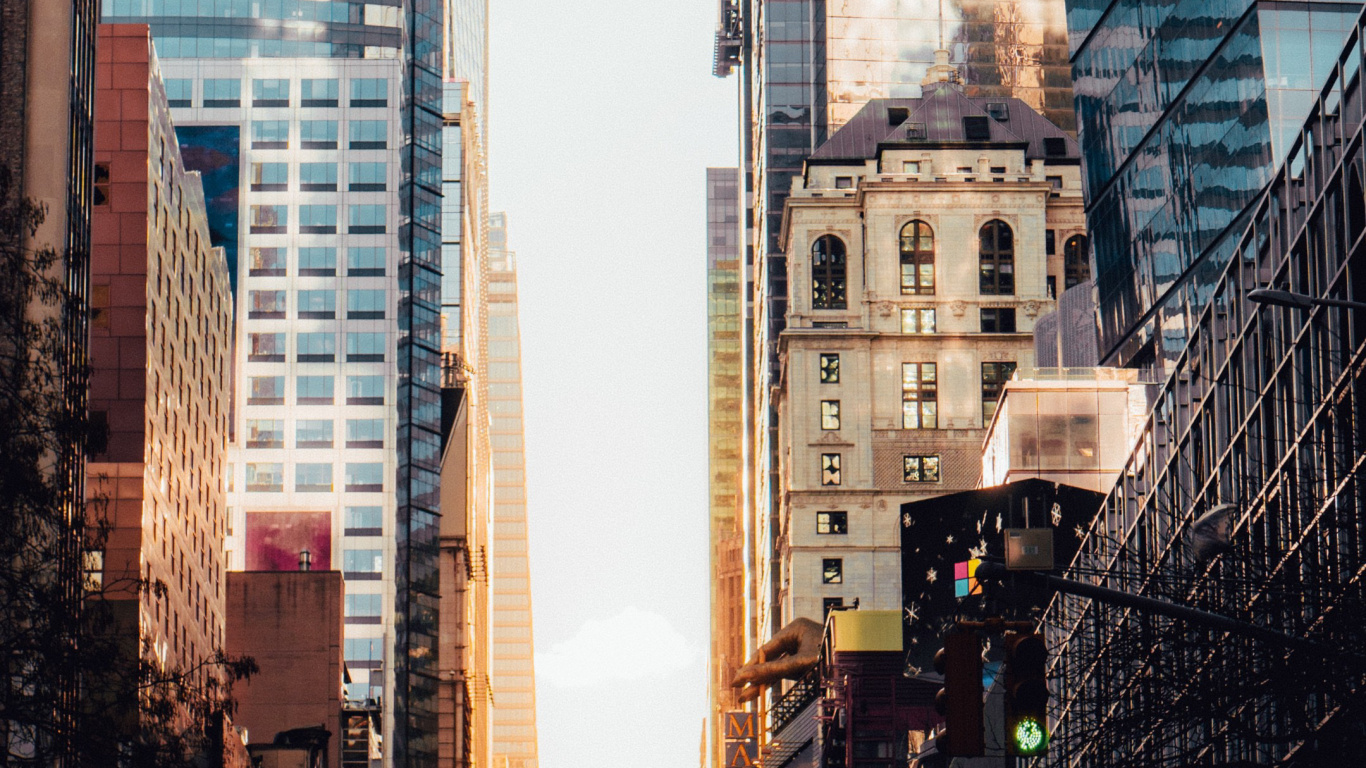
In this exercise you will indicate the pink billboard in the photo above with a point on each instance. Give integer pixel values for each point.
(276, 540)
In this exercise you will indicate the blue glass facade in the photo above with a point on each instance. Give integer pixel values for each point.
(1182, 111)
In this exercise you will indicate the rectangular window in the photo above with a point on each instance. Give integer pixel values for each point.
(313, 478)
(1050, 242)
(364, 521)
(364, 304)
(266, 390)
(365, 433)
(318, 261)
(319, 347)
(363, 563)
(369, 177)
(832, 570)
(920, 469)
(919, 396)
(318, 304)
(367, 220)
(994, 378)
(830, 369)
(318, 177)
(221, 93)
(369, 134)
(265, 477)
(998, 320)
(313, 433)
(844, 182)
(265, 305)
(269, 177)
(369, 92)
(364, 347)
(829, 604)
(830, 414)
(365, 261)
(918, 320)
(315, 390)
(830, 469)
(318, 219)
(269, 134)
(265, 433)
(269, 219)
(270, 93)
(364, 652)
(365, 476)
(910, 166)
(365, 390)
(364, 609)
(179, 92)
(319, 93)
(318, 134)
(832, 522)
(266, 347)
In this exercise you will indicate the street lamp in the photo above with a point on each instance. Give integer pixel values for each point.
(1298, 300)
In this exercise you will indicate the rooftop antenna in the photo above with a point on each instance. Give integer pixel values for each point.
(941, 71)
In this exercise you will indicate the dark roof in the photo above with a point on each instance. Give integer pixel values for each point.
(941, 110)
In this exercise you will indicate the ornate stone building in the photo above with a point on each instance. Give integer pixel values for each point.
(923, 240)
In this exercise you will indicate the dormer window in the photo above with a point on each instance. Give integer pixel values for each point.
(977, 128)
(998, 111)
(1054, 146)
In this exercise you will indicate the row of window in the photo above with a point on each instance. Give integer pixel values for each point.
(314, 477)
(320, 177)
(914, 469)
(317, 261)
(320, 219)
(919, 392)
(922, 320)
(314, 433)
(315, 390)
(318, 304)
(317, 347)
(320, 134)
(996, 263)
(221, 92)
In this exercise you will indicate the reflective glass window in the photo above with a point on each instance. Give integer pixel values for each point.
(917, 258)
(313, 477)
(828, 273)
(315, 390)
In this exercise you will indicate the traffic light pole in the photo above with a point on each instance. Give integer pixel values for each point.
(989, 571)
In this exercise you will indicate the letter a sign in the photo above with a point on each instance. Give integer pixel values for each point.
(741, 754)
(740, 726)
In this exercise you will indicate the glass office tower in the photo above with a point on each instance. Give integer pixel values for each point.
(332, 112)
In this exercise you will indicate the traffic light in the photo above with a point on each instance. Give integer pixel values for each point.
(1026, 693)
(960, 700)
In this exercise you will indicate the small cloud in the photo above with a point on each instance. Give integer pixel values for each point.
(633, 645)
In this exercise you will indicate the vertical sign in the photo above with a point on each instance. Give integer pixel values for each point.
(742, 741)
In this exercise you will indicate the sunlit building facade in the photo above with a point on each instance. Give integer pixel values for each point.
(332, 112)
(726, 433)
(161, 368)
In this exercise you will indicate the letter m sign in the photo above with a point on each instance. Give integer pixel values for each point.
(740, 726)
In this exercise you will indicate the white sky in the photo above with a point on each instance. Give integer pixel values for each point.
(603, 118)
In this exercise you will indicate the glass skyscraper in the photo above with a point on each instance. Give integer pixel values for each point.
(320, 123)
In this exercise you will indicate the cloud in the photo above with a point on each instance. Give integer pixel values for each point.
(633, 645)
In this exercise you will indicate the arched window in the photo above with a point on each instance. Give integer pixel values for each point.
(1076, 265)
(997, 252)
(827, 273)
(917, 258)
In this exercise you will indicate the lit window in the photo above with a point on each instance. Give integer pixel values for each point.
(919, 396)
(830, 469)
(830, 369)
(832, 522)
(1076, 262)
(917, 320)
(827, 273)
(920, 469)
(994, 378)
(997, 258)
(917, 258)
(830, 414)
(832, 570)
(998, 320)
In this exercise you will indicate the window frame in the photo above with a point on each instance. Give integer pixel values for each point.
(921, 462)
(922, 398)
(836, 523)
(995, 261)
(1076, 261)
(917, 257)
(829, 273)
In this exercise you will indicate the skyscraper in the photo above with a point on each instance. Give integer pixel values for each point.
(726, 433)
(337, 123)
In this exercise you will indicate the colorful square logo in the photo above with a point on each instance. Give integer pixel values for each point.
(965, 579)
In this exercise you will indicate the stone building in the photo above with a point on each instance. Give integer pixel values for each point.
(924, 239)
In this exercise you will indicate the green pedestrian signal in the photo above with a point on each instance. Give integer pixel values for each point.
(1026, 689)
